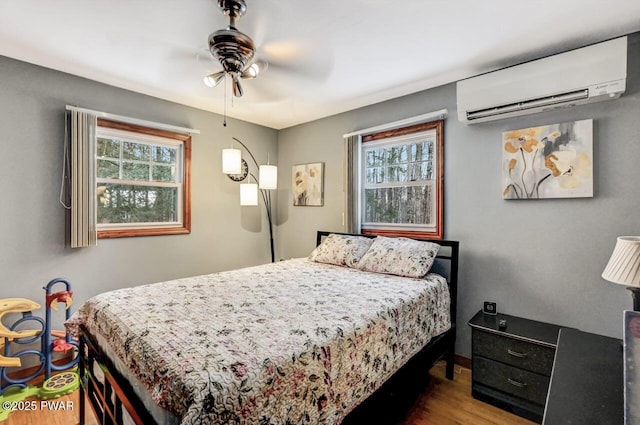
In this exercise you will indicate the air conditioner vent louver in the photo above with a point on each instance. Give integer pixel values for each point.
(540, 102)
(585, 75)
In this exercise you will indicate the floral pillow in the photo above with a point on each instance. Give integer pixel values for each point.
(341, 250)
(399, 256)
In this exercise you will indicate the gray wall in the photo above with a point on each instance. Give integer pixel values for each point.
(540, 259)
(32, 103)
(537, 259)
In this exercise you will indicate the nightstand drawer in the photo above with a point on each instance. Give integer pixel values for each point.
(522, 354)
(527, 385)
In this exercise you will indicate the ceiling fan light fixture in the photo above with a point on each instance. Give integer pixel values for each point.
(212, 80)
(234, 49)
(251, 71)
(237, 87)
(255, 69)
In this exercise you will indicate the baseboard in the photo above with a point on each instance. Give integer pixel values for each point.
(462, 361)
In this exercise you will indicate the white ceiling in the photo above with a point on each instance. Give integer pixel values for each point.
(326, 56)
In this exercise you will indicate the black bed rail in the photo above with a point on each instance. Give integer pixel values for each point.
(112, 395)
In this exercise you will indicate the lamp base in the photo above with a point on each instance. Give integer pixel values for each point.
(635, 293)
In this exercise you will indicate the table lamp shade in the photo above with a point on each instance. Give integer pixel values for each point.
(268, 177)
(624, 264)
(248, 194)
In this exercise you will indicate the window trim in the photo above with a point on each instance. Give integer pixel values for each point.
(438, 232)
(148, 229)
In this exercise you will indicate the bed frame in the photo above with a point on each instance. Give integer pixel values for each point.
(111, 397)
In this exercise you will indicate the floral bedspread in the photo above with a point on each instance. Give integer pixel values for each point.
(294, 342)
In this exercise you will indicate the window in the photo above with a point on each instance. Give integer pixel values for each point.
(400, 189)
(142, 181)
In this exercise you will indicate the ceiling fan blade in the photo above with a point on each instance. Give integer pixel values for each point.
(197, 63)
(316, 72)
(260, 18)
(205, 59)
(262, 91)
(297, 59)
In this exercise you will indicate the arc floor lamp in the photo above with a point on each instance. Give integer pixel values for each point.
(238, 170)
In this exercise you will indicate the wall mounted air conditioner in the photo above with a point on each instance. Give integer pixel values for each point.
(585, 75)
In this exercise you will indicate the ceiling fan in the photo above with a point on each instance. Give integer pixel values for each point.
(233, 49)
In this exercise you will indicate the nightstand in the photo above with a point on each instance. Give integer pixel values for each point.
(511, 367)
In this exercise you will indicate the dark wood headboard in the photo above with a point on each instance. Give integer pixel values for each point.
(445, 264)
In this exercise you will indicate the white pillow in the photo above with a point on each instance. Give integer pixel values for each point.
(341, 250)
(399, 256)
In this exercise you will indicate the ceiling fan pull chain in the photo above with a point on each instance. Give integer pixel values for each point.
(224, 121)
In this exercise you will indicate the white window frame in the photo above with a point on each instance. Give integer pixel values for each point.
(392, 133)
(153, 137)
(144, 139)
(430, 136)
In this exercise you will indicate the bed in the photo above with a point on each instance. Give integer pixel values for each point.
(291, 342)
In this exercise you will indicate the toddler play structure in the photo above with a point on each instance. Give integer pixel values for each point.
(31, 330)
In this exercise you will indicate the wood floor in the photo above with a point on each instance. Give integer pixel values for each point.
(445, 402)
(436, 401)
(52, 414)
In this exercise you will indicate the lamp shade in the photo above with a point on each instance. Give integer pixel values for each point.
(624, 264)
(248, 194)
(231, 161)
(268, 177)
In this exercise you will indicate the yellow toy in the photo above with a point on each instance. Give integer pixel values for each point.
(14, 305)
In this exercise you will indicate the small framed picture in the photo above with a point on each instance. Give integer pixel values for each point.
(307, 182)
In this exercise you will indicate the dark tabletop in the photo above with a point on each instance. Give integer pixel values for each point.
(587, 384)
(517, 327)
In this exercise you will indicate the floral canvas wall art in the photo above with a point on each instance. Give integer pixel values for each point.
(550, 161)
(306, 184)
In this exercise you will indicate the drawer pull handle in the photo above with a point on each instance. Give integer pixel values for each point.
(516, 354)
(516, 383)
